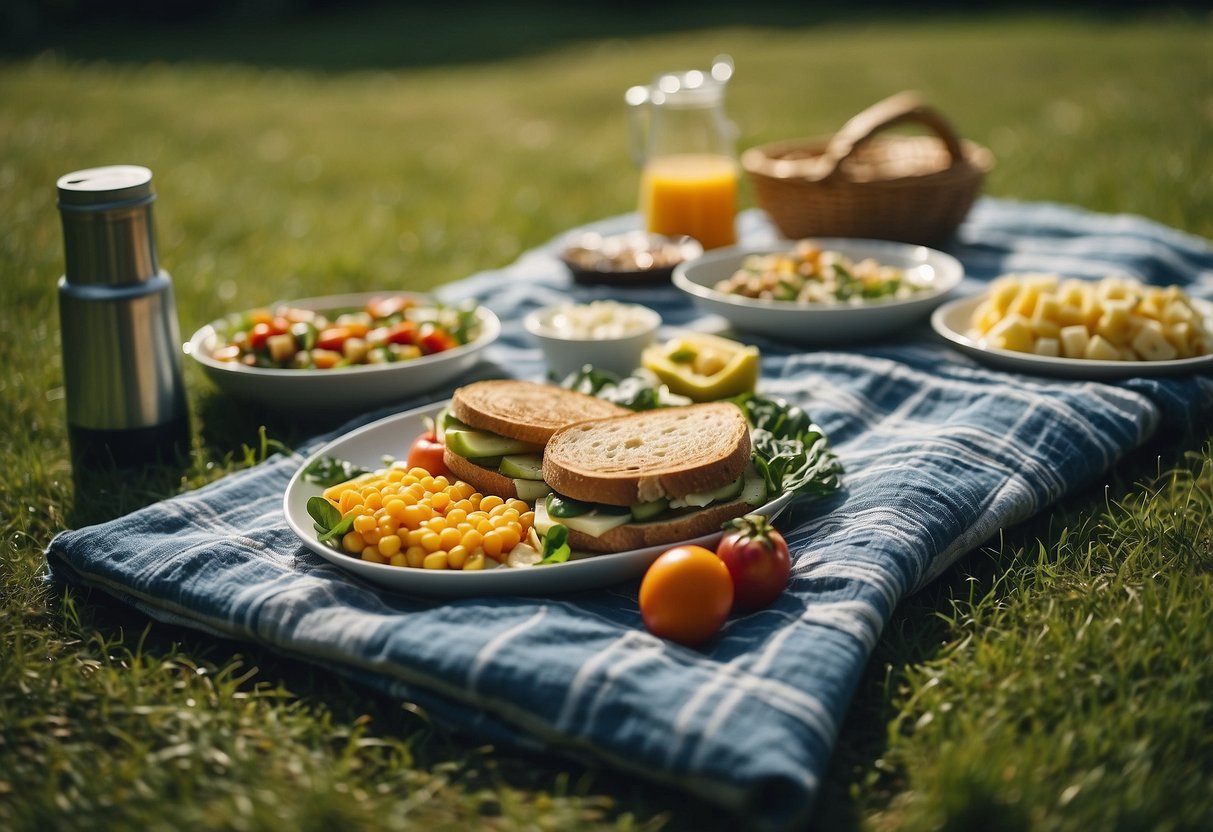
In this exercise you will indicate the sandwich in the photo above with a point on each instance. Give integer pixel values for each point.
(494, 432)
(649, 478)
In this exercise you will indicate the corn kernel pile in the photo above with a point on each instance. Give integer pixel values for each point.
(1114, 319)
(410, 518)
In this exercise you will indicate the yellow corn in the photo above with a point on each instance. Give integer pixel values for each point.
(411, 519)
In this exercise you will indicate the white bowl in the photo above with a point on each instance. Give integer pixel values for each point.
(616, 351)
(346, 389)
(804, 323)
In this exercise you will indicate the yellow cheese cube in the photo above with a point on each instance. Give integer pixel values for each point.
(1177, 311)
(1073, 291)
(984, 317)
(1101, 349)
(1151, 344)
(1074, 340)
(1151, 305)
(1182, 337)
(1046, 328)
(1003, 291)
(1013, 332)
(1071, 313)
(1025, 302)
(1117, 288)
(1047, 346)
(1116, 324)
(1092, 310)
(1047, 308)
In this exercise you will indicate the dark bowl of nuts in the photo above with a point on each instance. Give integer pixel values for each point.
(633, 258)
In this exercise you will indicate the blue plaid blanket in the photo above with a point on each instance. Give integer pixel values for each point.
(940, 453)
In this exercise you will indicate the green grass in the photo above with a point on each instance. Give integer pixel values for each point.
(1058, 679)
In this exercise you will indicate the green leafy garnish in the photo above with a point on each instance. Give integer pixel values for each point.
(682, 356)
(556, 545)
(327, 471)
(642, 390)
(790, 450)
(327, 520)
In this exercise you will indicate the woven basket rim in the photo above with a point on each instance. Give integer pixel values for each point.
(761, 160)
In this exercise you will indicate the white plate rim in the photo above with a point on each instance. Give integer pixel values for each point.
(490, 329)
(1060, 366)
(591, 572)
(953, 274)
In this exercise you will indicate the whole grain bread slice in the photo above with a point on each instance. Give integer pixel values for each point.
(526, 410)
(655, 454)
(658, 533)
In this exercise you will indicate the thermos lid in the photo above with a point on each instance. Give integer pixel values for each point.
(105, 187)
(107, 225)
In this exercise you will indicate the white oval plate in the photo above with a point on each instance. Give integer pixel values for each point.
(347, 389)
(391, 437)
(952, 322)
(820, 323)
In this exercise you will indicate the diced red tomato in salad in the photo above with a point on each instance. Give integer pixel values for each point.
(391, 328)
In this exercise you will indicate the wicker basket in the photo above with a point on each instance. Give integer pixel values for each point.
(914, 189)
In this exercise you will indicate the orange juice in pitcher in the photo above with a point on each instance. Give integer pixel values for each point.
(693, 194)
(684, 143)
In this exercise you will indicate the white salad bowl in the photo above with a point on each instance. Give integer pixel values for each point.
(344, 389)
(822, 324)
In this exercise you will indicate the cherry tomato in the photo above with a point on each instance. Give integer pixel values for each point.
(257, 335)
(333, 338)
(436, 340)
(686, 595)
(758, 560)
(404, 332)
(426, 452)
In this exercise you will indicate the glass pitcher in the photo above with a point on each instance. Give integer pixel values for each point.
(684, 145)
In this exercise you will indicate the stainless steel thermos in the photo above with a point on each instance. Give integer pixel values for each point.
(121, 342)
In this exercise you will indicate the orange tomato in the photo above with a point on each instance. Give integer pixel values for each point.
(686, 595)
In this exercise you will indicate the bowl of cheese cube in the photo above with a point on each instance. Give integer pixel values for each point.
(1113, 326)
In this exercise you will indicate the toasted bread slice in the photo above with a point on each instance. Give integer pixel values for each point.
(526, 410)
(484, 480)
(660, 532)
(650, 455)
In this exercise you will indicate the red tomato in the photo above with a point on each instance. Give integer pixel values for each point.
(436, 340)
(404, 332)
(257, 335)
(758, 560)
(426, 452)
(333, 338)
(686, 595)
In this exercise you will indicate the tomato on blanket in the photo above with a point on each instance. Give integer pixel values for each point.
(688, 591)
(686, 595)
(758, 560)
(426, 452)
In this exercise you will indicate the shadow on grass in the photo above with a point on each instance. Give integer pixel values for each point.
(331, 36)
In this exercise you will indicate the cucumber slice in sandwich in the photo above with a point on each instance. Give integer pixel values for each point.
(509, 421)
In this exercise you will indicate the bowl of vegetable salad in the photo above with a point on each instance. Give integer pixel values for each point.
(820, 291)
(342, 352)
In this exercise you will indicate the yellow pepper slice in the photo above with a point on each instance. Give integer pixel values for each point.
(704, 367)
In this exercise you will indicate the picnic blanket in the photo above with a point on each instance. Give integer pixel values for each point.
(940, 452)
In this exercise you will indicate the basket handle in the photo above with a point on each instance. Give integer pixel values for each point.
(902, 108)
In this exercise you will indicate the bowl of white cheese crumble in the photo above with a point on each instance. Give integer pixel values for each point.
(604, 333)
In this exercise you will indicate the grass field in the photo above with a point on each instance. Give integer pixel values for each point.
(1057, 679)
